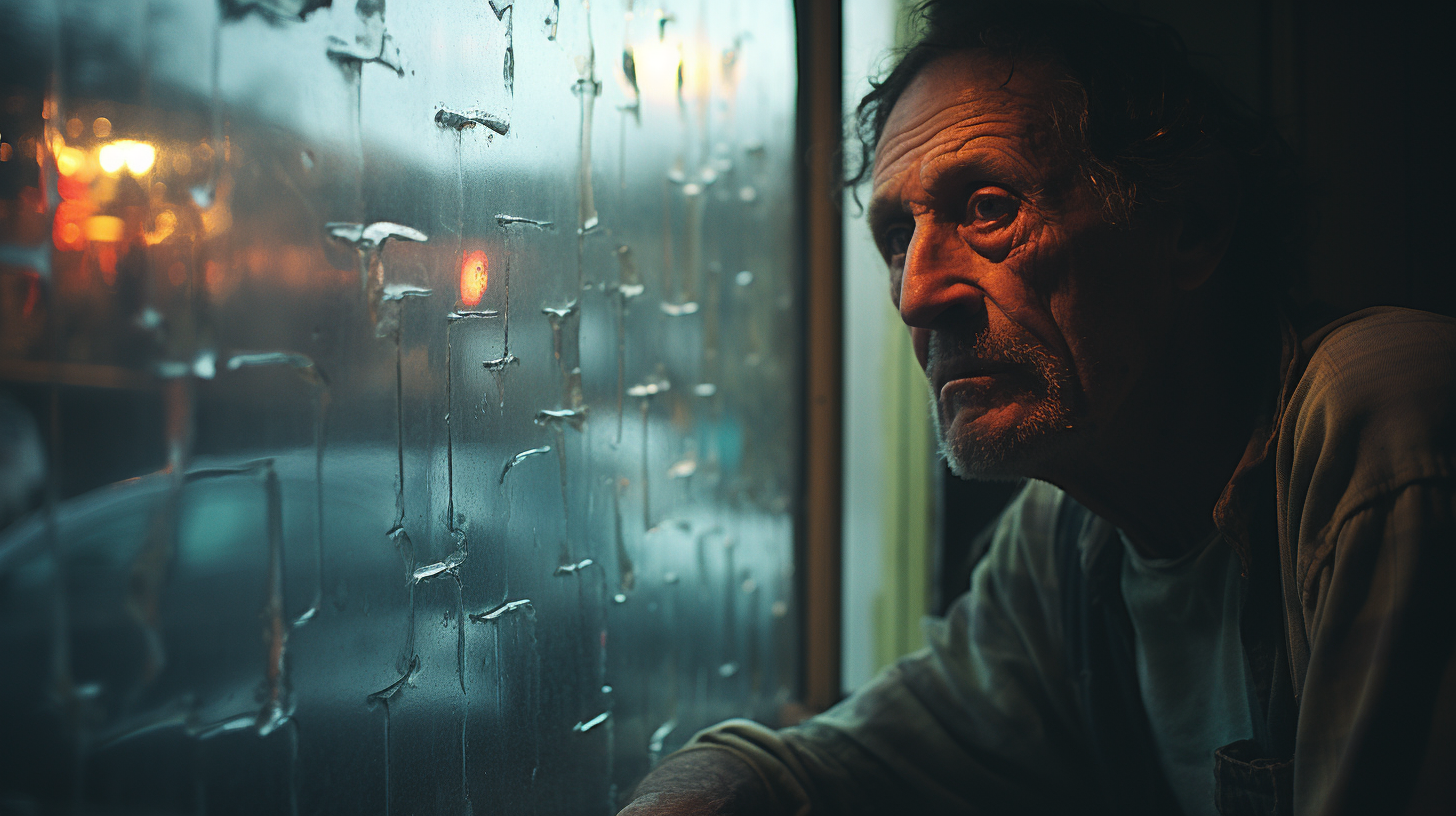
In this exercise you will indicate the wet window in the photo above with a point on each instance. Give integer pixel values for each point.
(398, 405)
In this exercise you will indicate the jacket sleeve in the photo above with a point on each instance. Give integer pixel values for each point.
(981, 721)
(1377, 725)
(1368, 513)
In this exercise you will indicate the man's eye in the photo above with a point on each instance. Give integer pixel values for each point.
(897, 241)
(991, 208)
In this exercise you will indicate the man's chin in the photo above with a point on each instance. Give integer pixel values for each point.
(1003, 443)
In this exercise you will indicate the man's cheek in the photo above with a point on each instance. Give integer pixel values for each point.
(1042, 263)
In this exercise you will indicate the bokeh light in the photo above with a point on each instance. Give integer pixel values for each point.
(474, 275)
(70, 161)
(137, 157)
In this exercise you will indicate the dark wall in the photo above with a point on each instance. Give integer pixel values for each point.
(1368, 85)
(1356, 89)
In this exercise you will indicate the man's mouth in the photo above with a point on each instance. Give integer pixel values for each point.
(975, 375)
(981, 387)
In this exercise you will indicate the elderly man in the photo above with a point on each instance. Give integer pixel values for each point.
(1228, 588)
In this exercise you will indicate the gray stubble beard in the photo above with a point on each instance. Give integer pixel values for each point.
(1025, 449)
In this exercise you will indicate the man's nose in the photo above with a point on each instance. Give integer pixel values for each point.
(938, 277)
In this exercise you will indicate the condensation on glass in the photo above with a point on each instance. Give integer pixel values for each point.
(397, 405)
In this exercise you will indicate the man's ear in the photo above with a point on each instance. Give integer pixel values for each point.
(1205, 226)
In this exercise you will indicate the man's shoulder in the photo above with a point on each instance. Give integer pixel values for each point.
(1382, 331)
(1373, 409)
(1380, 364)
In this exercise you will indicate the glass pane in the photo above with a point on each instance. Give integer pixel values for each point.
(397, 405)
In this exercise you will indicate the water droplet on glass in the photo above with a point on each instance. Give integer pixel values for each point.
(583, 727)
(560, 313)
(407, 678)
(472, 314)
(276, 705)
(521, 457)
(507, 220)
(500, 363)
(268, 358)
(629, 72)
(679, 309)
(496, 613)
(575, 417)
(573, 568)
(508, 59)
(225, 726)
(626, 571)
(465, 119)
(371, 42)
(368, 241)
(648, 389)
(374, 234)
(587, 89)
(450, 566)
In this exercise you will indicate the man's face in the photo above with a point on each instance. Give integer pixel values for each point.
(1033, 317)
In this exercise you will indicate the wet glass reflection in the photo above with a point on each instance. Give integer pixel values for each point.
(397, 405)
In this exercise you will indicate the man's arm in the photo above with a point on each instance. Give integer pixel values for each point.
(1377, 725)
(1367, 499)
(982, 721)
(702, 782)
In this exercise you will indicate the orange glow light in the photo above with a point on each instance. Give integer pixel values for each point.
(166, 222)
(70, 235)
(474, 273)
(106, 259)
(70, 161)
(66, 232)
(106, 228)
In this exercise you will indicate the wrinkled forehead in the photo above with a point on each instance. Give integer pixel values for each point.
(963, 91)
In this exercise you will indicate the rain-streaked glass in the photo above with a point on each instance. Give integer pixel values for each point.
(397, 404)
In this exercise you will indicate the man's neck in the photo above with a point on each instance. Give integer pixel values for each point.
(1158, 471)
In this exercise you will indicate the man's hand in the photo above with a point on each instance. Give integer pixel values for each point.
(704, 782)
